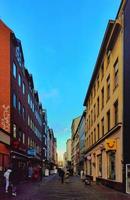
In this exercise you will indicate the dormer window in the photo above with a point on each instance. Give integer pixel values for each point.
(19, 56)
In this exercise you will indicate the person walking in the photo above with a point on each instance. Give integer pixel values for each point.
(14, 179)
(82, 174)
(30, 172)
(40, 173)
(62, 174)
(7, 175)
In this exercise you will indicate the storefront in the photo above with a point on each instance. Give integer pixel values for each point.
(19, 158)
(4, 157)
(4, 153)
(4, 150)
(103, 163)
(33, 158)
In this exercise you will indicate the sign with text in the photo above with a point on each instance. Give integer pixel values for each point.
(31, 152)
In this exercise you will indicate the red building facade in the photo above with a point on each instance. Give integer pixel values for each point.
(21, 113)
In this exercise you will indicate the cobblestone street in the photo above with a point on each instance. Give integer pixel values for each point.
(52, 189)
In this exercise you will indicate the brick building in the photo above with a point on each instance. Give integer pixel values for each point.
(21, 113)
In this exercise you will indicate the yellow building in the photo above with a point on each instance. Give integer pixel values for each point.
(104, 105)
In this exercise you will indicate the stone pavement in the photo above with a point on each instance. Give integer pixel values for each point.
(52, 189)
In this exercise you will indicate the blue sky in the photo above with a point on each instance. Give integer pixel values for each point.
(61, 41)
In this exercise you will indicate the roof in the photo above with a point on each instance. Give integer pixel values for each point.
(5, 26)
(102, 48)
(100, 57)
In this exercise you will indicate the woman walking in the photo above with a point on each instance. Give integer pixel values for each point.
(7, 175)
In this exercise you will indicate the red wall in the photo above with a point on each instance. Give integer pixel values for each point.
(4, 77)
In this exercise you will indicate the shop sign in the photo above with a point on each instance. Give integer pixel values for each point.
(110, 144)
(31, 152)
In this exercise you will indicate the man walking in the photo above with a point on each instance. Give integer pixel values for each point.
(14, 179)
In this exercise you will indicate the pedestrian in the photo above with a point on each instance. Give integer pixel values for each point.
(59, 172)
(62, 174)
(82, 174)
(40, 173)
(7, 175)
(30, 172)
(14, 179)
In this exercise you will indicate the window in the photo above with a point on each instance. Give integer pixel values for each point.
(23, 88)
(102, 70)
(98, 133)
(19, 56)
(23, 138)
(44, 141)
(108, 87)
(102, 126)
(23, 112)
(111, 165)
(94, 90)
(20, 135)
(116, 73)
(97, 106)
(94, 135)
(92, 138)
(116, 112)
(99, 165)
(29, 99)
(14, 70)
(32, 106)
(19, 107)
(108, 57)
(91, 117)
(102, 97)
(87, 125)
(97, 82)
(19, 80)
(94, 112)
(89, 121)
(28, 120)
(89, 141)
(91, 97)
(14, 130)
(108, 120)
(14, 101)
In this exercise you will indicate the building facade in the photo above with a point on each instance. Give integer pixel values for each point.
(65, 160)
(107, 103)
(81, 129)
(68, 149)
(21, 111)
(126, 97)
(23, 121)
(75, 145)
(52, 143)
